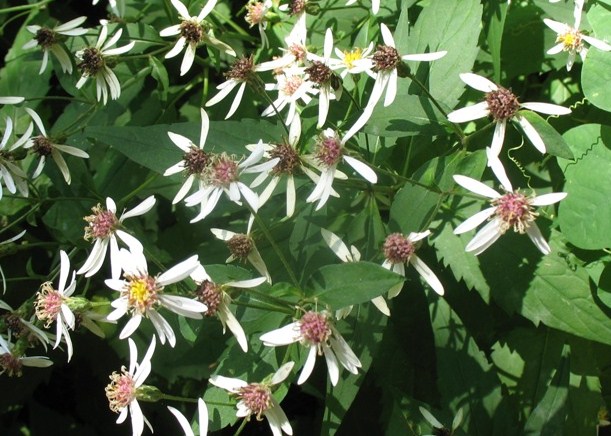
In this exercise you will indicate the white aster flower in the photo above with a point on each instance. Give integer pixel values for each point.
(290, 163)
(195, 160)
(385, 61)
(12, 363)
(256, 12)
(349, 255)
(355, 61)
(295, 53)
(512, 209)
(11, 174)
(316, 331)
(193, 30)
(503, 106)
(202, 416)
(142, 294)
(125, 388)
(241, 73)
(399, 250)
(319, 71)
(54, 305)
(292, 85)
(49, 41)
(242, 247)
(571, 39)
(328, 154)
(104, 227)
(375, 5)
(93, 63)
(223, 174)
(217, 300)
(257, 399)
(43, 146)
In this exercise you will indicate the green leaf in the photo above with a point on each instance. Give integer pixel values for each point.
(595, 78)
(584, 213)
(544, 289)
(453, 26)
(548, 417)
(554, 142)
(495, 13)
(350, 283)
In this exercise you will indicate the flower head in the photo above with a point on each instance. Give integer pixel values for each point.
(217, 299)
(292, 85)
(257, 399)
(256, 15)
(510, 210)
(354, 61)
(94, 63)
(316, 331)
(125, 388)
(399, 250)
(571, 40)
(52, 305)
(384, 63)
(141, 295)
(104, 227)
(49, 40)
(43, 146)
(193, 31)
(329, 152)
(502, 106)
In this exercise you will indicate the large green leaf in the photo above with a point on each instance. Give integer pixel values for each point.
(453, 26)
(596, 72)
(584, 213)
(554, 142)
(351, 283)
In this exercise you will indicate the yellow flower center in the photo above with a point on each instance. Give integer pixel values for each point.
(351, 56)
(571, 40)
(142, 293)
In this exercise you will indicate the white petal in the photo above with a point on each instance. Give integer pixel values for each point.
(178, 272)
(131, 326)
(386, 35)
(545, 199)
(425, 56)
(601, 45)
(535, 235)
(283, 336)
(137, 418)
(223, 235)
(337, 245)
(182, 421)
(547, 108)
(180, 44)
(555, 49)
(476, 186)
(141, 209)
(132, 243)
(362, 168)
(202, 416)
(236, 100)
(332, 366)
(469, 113)
(282, 373)
(498, 169)
(64, 270)
(183, 12)
(478, 82)
(164, 330)
(381, 305)
(556, 26)
(229, 384)
(474, 221)
(498, 137)
(427, 274)
(224, 92)
(206, 10)
(187, 60)
(485, 237)
(234, 326)
(308, 367)
(531, 133)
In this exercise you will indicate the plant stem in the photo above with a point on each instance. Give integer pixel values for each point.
(240, 428)
(24, 7)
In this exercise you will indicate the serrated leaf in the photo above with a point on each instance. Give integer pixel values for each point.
(352, 283)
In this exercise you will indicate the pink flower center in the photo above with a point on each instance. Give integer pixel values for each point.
(299, 51)
(48, 304)
(102, 223)
(223, 170)
(142, 292)
(515, 211)
(10, 365)
(255, 13)
(314, 328)
(328, 150)
(211, 295)
(502, 103)
(296, 6)
(291, 85)
(121, 390)
(257, 397)
(397, 248)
